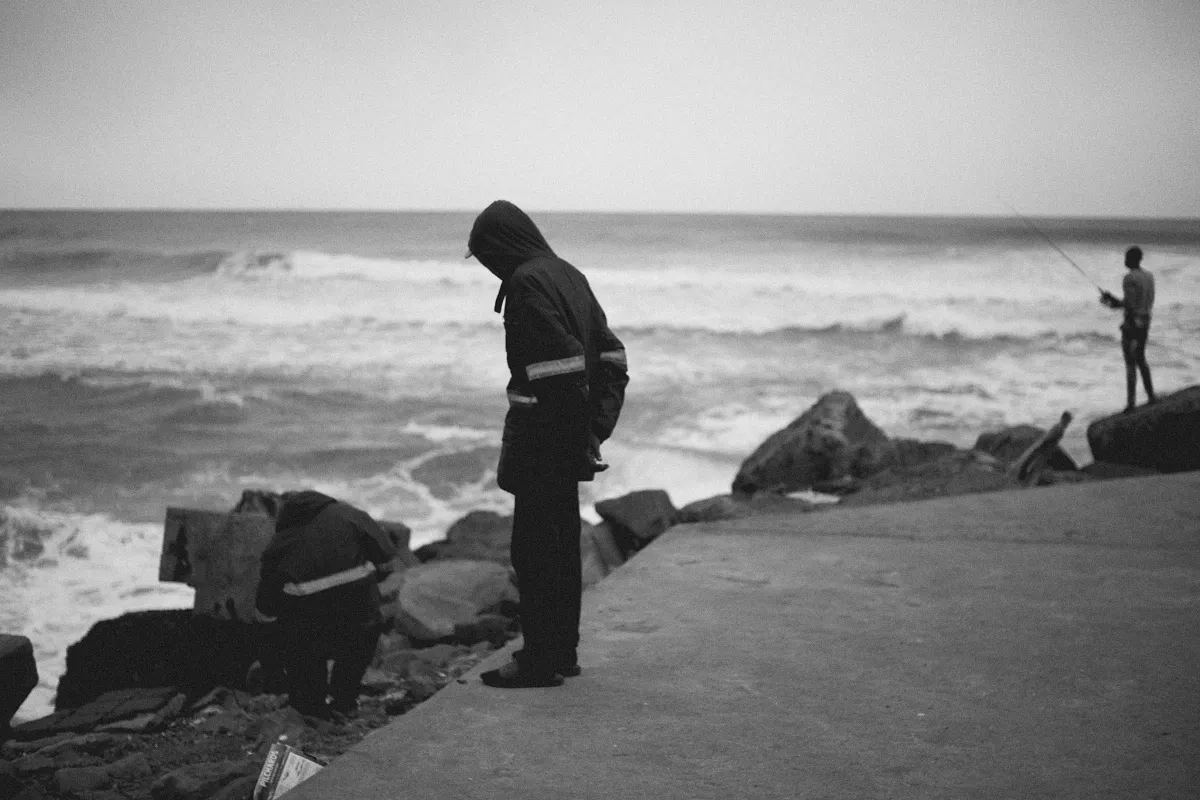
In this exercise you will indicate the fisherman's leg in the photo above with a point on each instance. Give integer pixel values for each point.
(534, 561)
(562, 633)
(1128, 348)
(1144, 367)
(305, 663)
(355, 649)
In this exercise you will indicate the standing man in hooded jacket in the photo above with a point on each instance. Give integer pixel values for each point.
(567, 385)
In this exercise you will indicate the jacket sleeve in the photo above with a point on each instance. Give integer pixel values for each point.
(548, 362)
(268, 598)
(609, 379)
(378, 545)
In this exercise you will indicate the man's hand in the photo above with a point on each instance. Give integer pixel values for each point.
(1110, 300)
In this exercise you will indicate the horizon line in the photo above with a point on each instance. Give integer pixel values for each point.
(595, 212)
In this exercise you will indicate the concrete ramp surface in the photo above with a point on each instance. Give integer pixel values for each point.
(1035, 643)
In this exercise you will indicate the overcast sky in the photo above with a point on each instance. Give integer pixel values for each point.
(925, 106)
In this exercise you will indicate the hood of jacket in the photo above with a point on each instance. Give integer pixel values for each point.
(503, 238)
(300, 507)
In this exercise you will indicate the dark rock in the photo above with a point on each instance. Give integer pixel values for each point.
(638, 518)
(480, 535)
(494, 629)
(1164, 436)
(134, 765)
(200, 781)
(959, 473)
(18, 676)
(912, 452)
(237, 789)
(88, 744)
(1104, 470)
(831, 439)
(436, 597)
(1011, 443)
(31, 792)
(712, 509)
(847, 484)
(158, 648)
(36, 764)
(10, 784)
(77, 780)
(110, 707)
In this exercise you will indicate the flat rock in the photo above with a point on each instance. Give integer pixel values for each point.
(712, 509)
(77, 780)
(1164, 436)
(436, 597)
(109, 707)
(637, 518)
(480, 535)
(200, 781)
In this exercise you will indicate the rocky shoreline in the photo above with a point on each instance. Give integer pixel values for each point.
(177, 704)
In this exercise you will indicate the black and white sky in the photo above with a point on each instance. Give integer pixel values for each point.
(1059, 107)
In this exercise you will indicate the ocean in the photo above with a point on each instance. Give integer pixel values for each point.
(154, 359)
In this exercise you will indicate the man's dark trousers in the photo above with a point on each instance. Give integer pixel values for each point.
(316, 630)
(545, 555)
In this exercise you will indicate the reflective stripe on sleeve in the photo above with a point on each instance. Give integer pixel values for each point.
(329, 581)
(614, 356)
(521, 400)
(560, 366)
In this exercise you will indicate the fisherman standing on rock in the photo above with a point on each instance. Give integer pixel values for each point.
(1138, 288)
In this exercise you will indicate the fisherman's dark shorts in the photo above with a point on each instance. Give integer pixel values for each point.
(1133, 341)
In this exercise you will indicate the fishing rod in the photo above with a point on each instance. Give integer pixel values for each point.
(1050, 242)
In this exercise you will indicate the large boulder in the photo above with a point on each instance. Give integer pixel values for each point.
(637, 518)
(18, 675)
(599, 552)
(830, 440)
(432, 599)
(480, 535)
(154, 648)
(1164, 436)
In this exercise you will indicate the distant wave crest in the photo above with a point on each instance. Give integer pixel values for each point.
(317, 265)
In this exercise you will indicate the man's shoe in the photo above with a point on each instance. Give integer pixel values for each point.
(567, 670)
(511, 676)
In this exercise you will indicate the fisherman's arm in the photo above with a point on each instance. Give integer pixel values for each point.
(269, 596)
(546, 357)
(608, 383)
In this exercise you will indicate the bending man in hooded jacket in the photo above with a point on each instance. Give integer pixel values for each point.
(319, 578)
(567, 385)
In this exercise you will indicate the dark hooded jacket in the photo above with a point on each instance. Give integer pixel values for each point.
(568, 370)
(325, 550)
